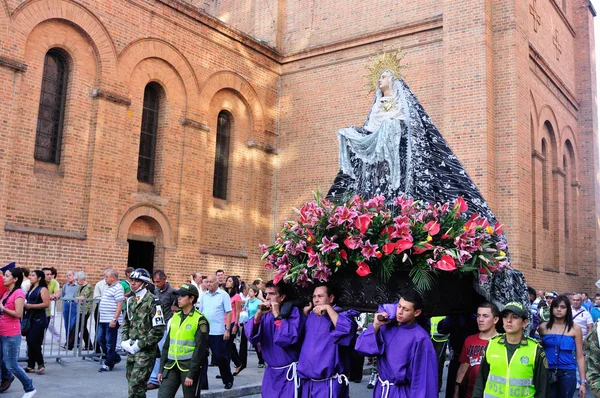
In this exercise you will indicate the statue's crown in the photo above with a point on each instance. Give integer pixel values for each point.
(389, 60)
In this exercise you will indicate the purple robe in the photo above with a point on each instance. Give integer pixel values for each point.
(326, 353)
(280, 349)
(405, 358)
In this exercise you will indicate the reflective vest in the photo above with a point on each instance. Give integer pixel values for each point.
(514, 379)
(435, 335)
(182, 338)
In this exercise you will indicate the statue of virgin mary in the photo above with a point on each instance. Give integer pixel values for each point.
(399, 151)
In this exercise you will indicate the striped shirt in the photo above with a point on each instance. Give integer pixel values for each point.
(113, 295)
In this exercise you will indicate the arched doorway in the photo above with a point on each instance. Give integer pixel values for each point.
(146, 244)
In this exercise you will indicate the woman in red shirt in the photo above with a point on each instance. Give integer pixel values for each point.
(12, 304)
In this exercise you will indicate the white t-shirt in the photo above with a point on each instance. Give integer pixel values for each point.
(582, 318)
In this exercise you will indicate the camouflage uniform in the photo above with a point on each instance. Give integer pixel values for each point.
(591, 349)
(144, 322)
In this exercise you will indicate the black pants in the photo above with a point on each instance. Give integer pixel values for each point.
(35, 339)
(83, 330)
(243, 348)
(357, 363)
(233, 352)
(172, 379)
(220, 351)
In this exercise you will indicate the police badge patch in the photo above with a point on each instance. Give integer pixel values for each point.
(525, 360)
(158, 319)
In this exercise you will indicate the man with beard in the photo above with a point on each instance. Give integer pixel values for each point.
(325, 354)
(278, 329)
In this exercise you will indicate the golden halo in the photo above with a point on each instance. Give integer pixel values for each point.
(391, 60)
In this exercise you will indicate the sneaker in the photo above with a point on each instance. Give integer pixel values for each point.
(372, 381)
(29, 394)
(104, 368)
(261, 365)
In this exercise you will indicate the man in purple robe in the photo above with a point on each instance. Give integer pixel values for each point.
(325, 356)
(278, 330)
(406, 359)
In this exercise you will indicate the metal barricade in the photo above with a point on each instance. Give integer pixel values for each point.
(71, 331)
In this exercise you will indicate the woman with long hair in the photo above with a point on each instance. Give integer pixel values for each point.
(561, 339)
(12, 306)
(38, 299)
(232, 286)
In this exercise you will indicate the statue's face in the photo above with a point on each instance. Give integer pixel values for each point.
(385, 82)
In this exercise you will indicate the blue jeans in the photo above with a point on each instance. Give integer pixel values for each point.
(565, 385)
(107, 339)
(11, 346)
(69, 314)
(156, 369)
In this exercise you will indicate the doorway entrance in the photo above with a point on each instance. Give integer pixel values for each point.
(141, 255)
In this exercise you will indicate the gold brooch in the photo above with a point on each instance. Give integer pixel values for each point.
(391, 61)
(388, 104)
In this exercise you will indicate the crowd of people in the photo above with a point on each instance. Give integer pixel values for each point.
(311, 348)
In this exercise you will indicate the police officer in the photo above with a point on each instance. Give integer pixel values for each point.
(514, 365)
(143, 328)
(183, 354)
(440, 342)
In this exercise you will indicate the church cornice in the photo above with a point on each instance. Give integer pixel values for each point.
(9, 63)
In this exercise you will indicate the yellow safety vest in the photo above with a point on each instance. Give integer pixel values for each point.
(514, 379)
(435, 335)
(182, 338)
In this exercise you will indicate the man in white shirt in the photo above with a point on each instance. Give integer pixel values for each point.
(580, 315)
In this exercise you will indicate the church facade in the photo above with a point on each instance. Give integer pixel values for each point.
(179, 135)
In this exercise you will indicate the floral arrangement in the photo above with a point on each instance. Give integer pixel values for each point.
(369, 236)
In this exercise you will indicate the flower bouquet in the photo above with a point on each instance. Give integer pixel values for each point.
(368, 236)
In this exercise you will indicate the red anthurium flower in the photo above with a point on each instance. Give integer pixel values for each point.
(498, 228)
(433, 227)
(344, 255)
(363, 269)
(420, 250)
(388, 248)
(446, 264)
(362, 222)
(460, 205)
(402, 245)
(387, 230)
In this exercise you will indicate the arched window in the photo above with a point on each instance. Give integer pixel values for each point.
(545, 188)
(52, 108)
(148, 133)
(222, 156)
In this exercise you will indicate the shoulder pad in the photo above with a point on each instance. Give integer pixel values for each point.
(158, 319)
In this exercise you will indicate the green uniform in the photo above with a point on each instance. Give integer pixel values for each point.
(591, 348)
(144, 322)
(183, 354)
(512, 370)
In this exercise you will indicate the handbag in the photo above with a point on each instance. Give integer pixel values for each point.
(243, 314)
(26, 324)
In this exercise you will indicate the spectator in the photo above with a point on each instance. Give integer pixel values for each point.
(562, 339)
(12, 307)
(544, 312)
(595, 312)
(54, 290)
(232, 287)
(110, 308)
(587, 303)
(26, 284)
(84, 297)
(221, 278)
(196, 280)
(250, 306)
(36, 302)
(99, 289)
(69, 311)
(591, 349)
(474, 347)
(260, 285)
(168, 302)
(216, 306)
(580, 315)
(533, 311)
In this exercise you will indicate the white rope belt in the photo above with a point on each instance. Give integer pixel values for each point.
(341, 379)
(385, 388)
(291, 375)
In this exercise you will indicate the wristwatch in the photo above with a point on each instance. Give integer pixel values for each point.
(584, 381)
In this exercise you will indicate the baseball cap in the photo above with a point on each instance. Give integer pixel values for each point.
(187, 289)
(552, 294)
(516, 308)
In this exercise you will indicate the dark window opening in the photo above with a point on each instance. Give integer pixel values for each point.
(141, 255)
(222, 156)
(52, 108)
(148, 134)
